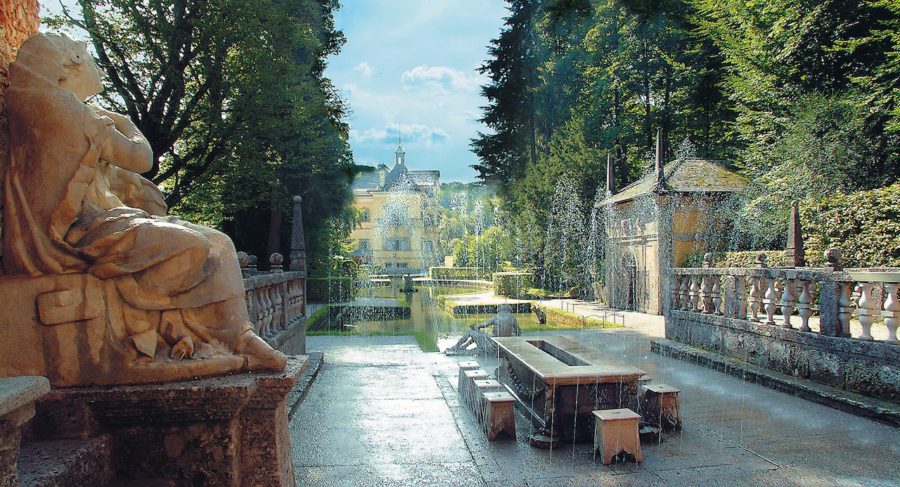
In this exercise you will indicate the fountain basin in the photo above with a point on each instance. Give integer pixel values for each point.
(559, 382)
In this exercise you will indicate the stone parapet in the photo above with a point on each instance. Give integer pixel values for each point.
(865, 367)
(217, 431)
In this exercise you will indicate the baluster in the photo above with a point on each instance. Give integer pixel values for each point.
(740, 295)
(718, 295)
(695, 293)
(248, 301)
(706, 293)
(278, 308)
(273, 296)
(686, 293)
(676, 293)
(292, 301)
(865, 308)
(755, 298)
(807, 289)
(845, 309)
(255, 309)
(769, 299)
(891, 311)
(266, 310)
(787, 301)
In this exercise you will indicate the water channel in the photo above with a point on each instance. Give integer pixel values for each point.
(428, 315)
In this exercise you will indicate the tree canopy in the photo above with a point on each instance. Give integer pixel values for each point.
(800, 96)
(232, 98)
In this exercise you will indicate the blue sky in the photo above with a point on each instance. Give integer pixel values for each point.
(410, 65)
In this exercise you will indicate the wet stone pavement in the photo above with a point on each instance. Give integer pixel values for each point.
(382, 413)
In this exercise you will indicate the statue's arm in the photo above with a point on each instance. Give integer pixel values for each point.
(486, 324)
(127, 147)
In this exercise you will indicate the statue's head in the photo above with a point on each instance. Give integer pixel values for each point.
(504, 308)
(63, 60)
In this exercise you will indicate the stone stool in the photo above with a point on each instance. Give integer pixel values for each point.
(466, 384)
(616, 431)
(469, 365)
(479, 387)
(498, 416)
(659, 403)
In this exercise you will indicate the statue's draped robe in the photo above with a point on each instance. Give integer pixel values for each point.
(61, 217)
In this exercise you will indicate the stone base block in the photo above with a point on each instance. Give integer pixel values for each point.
(218, 431)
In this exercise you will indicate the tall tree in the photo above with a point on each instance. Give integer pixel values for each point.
(232, 97)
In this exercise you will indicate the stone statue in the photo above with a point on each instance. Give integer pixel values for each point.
(505, 325)
(74, 203)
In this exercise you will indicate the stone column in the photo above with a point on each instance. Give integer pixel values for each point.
(298, 245)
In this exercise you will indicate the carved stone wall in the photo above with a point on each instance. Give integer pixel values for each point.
(19, 20)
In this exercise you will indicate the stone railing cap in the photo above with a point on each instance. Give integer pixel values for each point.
(16, 392)
(261, 280)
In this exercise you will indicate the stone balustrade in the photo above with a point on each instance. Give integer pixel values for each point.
(796, 321)
(276, 300)
(790, 298)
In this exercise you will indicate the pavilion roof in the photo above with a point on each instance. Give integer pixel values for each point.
(688, 175)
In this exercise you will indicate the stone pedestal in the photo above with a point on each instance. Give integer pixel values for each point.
(217, 431)
(17, 396)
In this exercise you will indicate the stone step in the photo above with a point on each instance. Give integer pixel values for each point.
(64, 463)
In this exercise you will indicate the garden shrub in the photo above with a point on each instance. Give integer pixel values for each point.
(865, 225)
(512, 284)
(456, 273)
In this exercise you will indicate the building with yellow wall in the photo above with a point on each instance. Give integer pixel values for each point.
(399, 213)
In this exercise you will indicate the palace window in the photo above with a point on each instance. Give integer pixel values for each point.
(396, 244)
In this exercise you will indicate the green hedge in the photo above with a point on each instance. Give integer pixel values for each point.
(456, 273)
(512, 284)
(749, 258)
(330, 289)
(864, 225)
(558, 318)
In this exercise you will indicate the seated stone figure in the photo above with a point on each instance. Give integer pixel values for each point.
(505, 325)
(74, 203)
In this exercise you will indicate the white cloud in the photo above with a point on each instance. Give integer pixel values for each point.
(443, 76)
(411, 133)
(364, 69)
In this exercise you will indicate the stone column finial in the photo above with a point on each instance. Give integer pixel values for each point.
(252, 260)
(610, 175)
(833, 257)
(275, 263)
(244, 262)
(660, 166)
(298, 244)
(762, 259)
(794, 253)
(708, 259)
